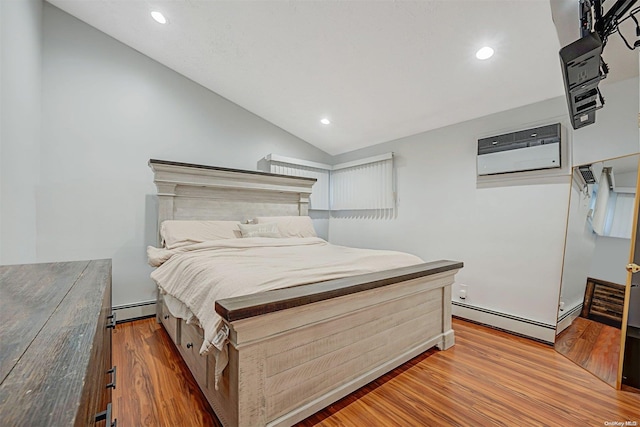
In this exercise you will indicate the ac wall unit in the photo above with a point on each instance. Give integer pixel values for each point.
(525, 150)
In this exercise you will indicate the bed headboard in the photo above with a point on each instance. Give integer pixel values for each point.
(197, 192)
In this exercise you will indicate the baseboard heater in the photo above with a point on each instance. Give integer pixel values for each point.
(567, 313)
(135, 311)
(528, 328)
(567, 316)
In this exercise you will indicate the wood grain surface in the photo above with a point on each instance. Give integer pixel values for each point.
(488, 378)
(60, 377)
(257, 304)
(592, 345)
(155, 387)
(28, 296)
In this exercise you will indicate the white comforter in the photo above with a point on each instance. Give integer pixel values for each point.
(199, 274)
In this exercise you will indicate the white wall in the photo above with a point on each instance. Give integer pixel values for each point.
(615, 132)
(107, 110)
(610, 257)
(511, 239)
(580, 247)
(20, 100)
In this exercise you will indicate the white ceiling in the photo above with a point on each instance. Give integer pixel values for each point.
(380, 70)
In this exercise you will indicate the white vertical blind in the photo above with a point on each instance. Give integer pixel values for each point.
(368, 185)
(602, 201)
(319, 199)
(365, 184)
(622, 218)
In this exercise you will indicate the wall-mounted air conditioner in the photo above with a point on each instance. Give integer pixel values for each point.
(525, 150)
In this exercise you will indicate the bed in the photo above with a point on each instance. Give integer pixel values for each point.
(289, 352)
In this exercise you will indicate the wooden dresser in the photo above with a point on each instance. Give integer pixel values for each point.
(55, 344)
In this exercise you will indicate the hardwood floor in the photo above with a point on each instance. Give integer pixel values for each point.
(154, 387)
(592, 345)
(487, 378)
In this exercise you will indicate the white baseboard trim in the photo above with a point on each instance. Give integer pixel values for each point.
(567, 317)
(138, 310)
(518, 325)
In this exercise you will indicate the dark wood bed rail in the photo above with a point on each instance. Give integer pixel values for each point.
(243, 307)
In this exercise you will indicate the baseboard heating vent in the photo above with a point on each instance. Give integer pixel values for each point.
(566, 313)
(566, 317)
(130, 312)
(539, 331)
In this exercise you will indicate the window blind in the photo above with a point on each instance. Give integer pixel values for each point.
(622, 218)
(282, 165)
(365, 184)
(600, 209)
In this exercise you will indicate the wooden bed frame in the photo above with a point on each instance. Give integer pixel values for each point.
(294, 351)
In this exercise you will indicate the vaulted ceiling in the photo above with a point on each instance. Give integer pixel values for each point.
(378, 70)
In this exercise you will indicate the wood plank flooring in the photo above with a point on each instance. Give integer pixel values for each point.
(488, 378)
(592, 345)
(154, 386)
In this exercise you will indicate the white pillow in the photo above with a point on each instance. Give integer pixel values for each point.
(179, 233)
(291, 226)
(269, 229)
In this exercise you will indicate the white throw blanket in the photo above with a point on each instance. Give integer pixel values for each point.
(199, 274)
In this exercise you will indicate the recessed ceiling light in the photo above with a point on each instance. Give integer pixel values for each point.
(325, 121)
(484, 53)
(158, 17)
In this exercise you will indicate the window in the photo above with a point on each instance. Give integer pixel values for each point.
(365, 184)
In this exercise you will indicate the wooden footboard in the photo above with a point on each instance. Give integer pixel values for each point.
(296, 358)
